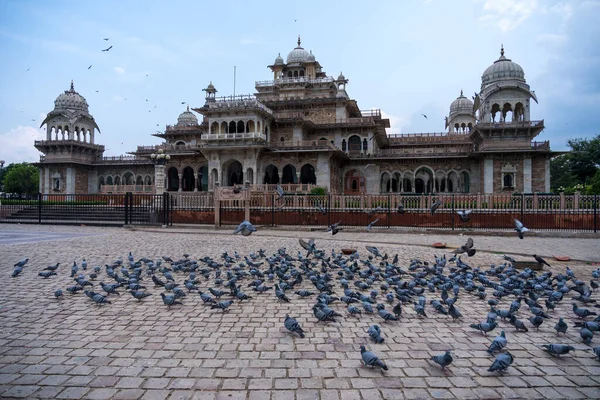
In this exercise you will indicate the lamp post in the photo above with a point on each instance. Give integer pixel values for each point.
(160, 160)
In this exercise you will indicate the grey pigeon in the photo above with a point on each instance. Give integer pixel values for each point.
(464, 215)
(223, 305)
(502, 362)
(281, 294)
(520, 228)
(582, 312)
(169, 299)
(498, 344)
(293, 326)
(443, 360)
(385, 314)
(21, 263)
(557, 350)
(375, 333)
(368, 228)
(485, 327)
(245, 227)
(435, 206)
(561, 326)
(58, 294)
(46, 274)
(139, 295)
(587, 335)
(596, 351)
(17, 271)
(371, 359)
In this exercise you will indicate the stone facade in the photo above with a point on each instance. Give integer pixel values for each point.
(302, 127)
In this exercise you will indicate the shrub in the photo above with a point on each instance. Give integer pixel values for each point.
(318, 190)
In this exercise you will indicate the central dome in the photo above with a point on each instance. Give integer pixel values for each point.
(70, 99)
(502, 69)
(298, 55)
(187, 118)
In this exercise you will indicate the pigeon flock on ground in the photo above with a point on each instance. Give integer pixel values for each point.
(371, 284)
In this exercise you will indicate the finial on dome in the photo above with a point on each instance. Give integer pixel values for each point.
(461, 93)
(188, 107)
(298, 40)
(72, 87)
(502, 50)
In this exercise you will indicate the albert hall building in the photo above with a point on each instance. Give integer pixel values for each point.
(302, 127)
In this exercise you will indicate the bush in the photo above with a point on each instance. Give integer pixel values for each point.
(318, 190)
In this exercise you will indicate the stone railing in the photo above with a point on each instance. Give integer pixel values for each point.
(124, 160)
(293, 81)
(303, 144)
(126, 188)
(232, 136)
(511, 124)
(68, 143)
(244, 101)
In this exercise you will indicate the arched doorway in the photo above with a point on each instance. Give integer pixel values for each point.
(271, 175)
(354, 182)
(307, 174)
(465, 179)
(203, 178)
(172, 179)
(128, 178)
(214, 175)
(187, 182)
(424, 180)
(233, 173)
(250, 176)
(289, 174)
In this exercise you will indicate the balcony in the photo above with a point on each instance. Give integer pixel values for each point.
(429, 138)
(510, 125)
(541, 146)
(424, 152)
(241, 102)
(293, 81)
(302, 145)
(68, 143)
(124, 160)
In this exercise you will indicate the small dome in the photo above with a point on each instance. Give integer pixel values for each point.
(461, 105)
(70, 99)
(187, 118)
(341, 77)
(502, 69)
(279, 60)
(311, 57)
(298, 55)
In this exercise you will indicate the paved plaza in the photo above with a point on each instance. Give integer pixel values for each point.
(73, 348)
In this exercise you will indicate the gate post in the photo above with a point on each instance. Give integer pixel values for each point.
(125, 206)
(217, 201)
(39, 208)
(453, 211)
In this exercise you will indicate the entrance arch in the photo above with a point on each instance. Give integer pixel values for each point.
(307, 174)
(271, 175)
(172, 179)
(203, 178)
(187, 182)
(234, 175)
(289, 174)
(354, 182)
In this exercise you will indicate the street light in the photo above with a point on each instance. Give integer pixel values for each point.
(161, 158)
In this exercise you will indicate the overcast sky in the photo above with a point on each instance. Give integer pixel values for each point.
(403, 57)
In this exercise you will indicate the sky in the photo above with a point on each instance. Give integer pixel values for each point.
(406, 58)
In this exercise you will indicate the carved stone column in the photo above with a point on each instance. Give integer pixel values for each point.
(195, 181)
(159, 179)
(180, 183)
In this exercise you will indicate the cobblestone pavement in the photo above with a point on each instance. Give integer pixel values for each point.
(72, 349)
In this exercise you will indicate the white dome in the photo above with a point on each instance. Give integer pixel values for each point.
(70, 99)
(187, 118)
(502, 69)
(461, 105)
(311, 57)
(298, 55)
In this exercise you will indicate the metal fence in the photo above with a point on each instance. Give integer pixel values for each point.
(87, 209)
(498, 212)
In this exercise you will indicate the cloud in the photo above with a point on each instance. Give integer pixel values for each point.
(17, 144)
(552, 39)
(117, 99)
(396, 123)
(119, 70)
(507, 14)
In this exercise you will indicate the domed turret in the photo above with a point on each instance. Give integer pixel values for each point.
(311, 57)
(278, 60)
(502, 69)
(187, 118)
(461, 118)
(461, 106)
(72, 100)
(298, 55)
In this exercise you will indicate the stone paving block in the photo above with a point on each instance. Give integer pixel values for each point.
(101, 394)
(73, 393)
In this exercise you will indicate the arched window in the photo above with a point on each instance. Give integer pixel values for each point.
(231, 127)
(240, 127)
(507, 180)
(354, 144)
(365, 145)
(180, 143)
(343, 144)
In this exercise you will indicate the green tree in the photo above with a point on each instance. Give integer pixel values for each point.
(594, 187)
(21, 178)
(585, 157)
(561, 175)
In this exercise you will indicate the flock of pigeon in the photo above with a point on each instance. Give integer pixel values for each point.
(374, 284)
